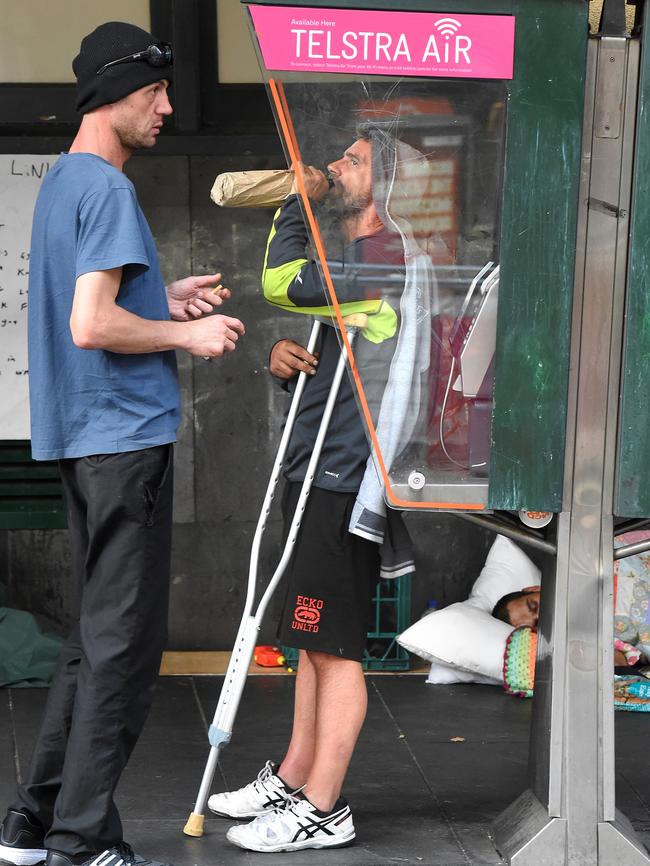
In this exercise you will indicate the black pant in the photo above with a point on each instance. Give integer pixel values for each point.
(120, 519)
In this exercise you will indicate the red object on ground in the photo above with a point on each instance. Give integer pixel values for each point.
(269, 656)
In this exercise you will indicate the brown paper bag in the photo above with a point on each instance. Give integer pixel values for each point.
(251, 188)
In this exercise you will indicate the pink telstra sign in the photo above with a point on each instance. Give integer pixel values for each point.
(423, 44)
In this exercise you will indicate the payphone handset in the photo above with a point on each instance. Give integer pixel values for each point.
(475, 352)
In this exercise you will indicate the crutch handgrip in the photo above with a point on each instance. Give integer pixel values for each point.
(194, 826)
(356, 320)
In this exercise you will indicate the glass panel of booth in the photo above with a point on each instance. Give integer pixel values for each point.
(406, 231)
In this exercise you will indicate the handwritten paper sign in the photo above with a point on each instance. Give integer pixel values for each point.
(20, 181)
(422, 44)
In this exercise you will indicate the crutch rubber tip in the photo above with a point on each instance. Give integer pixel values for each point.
(194, 826)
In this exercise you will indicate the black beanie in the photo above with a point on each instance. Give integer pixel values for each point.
(110, 42)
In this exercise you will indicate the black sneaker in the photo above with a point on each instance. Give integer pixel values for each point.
(120, 855)
(21, 840)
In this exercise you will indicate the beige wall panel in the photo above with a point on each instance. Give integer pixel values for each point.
(39, 38)
(237, 59)
(595, 8)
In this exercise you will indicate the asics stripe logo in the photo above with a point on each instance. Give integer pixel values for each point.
(320, 825)
(275, 801)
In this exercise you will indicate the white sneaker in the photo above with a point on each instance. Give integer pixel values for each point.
(298, 825)
(263, 795)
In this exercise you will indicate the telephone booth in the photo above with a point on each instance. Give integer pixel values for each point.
(483, 201)
(497, 139)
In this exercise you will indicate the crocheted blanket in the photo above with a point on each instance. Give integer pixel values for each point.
(519, 662)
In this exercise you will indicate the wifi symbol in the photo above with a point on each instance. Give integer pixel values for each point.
(447, 26)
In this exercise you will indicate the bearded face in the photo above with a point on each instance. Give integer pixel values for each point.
(352, 180)
(349, 202)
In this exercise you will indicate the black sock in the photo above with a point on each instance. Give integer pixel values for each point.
(340, 803)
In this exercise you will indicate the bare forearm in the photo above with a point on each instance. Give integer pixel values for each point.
(118, 330)
(98, 322)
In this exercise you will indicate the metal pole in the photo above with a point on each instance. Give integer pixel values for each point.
(568, 816)
(513, 532)
(631, 549)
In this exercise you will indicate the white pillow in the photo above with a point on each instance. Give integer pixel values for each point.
(507, 569)
(440, 674)
(465, 636)
(461, 635)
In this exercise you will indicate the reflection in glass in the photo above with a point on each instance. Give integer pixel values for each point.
(427, 272)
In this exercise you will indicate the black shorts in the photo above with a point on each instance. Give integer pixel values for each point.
(330, 579)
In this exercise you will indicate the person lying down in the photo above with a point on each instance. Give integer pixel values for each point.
(521, 608)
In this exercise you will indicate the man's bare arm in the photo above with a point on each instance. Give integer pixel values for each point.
(97, 322)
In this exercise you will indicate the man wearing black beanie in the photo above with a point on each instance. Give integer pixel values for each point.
(105, 402)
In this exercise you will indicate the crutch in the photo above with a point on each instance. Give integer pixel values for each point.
(220, 730)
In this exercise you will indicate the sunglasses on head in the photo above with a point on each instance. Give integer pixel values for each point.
(159, 54)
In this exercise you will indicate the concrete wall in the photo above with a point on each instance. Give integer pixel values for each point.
(231, 422)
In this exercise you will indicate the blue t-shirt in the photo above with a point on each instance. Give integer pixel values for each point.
(90, 401)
